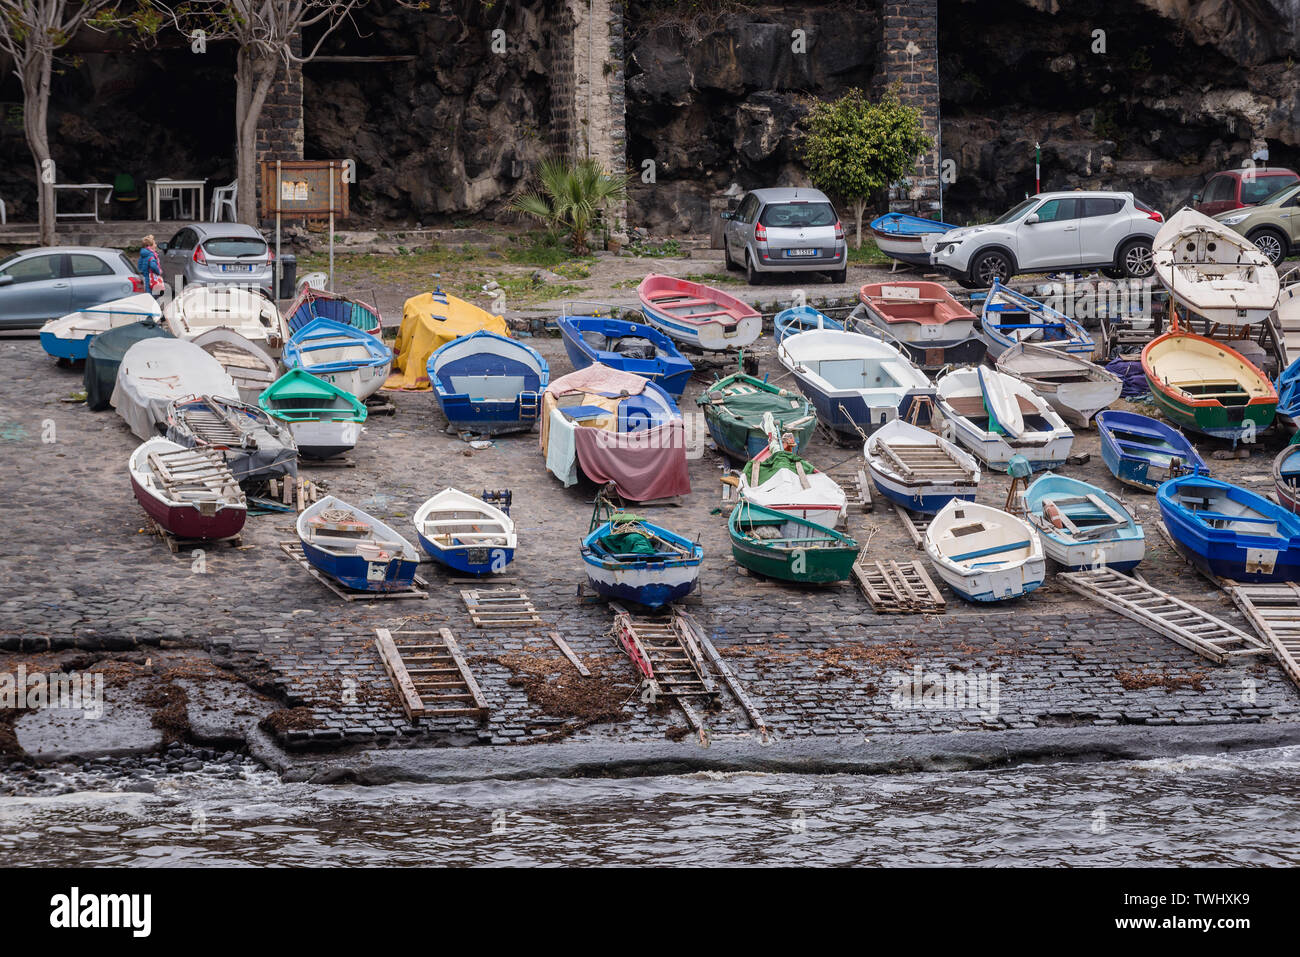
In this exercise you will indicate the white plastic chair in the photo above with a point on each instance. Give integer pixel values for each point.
(224, 198)
(317, 280)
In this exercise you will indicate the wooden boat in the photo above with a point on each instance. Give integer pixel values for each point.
(356, 549)
(249, 365)
(919, 470)
(984, 553)
(1083, 526)
(1073, 386)
(252, 444)
(923, 319)
(1011, 317)
(189, 492)
(69, 338)
(856, 383)
(488, 384)
(1288, 391)
(996, 417)
(784, 482)
(355, 361)
(1203, 385)
(154, 372)
(1286, 317)
(466, 533)
(247, 311)
(1229, 532)
(698, 315)
(630, 559)
(734, 409)
(797, 319)
(634, 347)
(1144, 452)
(311, 304)
(1286, 478)
(902, 237)
(325, 421)
(1214, 271)
(782, 546)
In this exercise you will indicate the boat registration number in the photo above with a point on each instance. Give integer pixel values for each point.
(477, 555)
(236, 267)
(376, 571)
(1260, 560)
(790, 253)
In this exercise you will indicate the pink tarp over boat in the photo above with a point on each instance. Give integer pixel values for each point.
(643, 465)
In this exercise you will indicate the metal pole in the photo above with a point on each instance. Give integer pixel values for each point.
(331, 225)
(275, 293)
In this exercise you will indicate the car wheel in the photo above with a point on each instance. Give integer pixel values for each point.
(1271, 243)
(1135, 258)
(966, 282)
(752, 276)
(989, 266)
(726, 257)
(840, 277)
(1112, 272)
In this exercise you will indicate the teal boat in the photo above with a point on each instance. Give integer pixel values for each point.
(325, 421)
(792, 549)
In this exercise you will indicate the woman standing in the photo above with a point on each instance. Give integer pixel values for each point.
(150, 266)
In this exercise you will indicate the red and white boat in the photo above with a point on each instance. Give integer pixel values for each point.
(921, 317)
(189, 492)
(785, 482)
(698, 315)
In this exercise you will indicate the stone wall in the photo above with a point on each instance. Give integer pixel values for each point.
(910, 58)
(280, 132)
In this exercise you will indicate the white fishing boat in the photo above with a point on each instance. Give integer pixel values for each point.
(1213, 270)
(919, 470)
(1073, 386)
(466, 533)
(69, 337)
(1083, 526)
(984, 553)
(247, 311)
(786, 483)
(997, 416)
(249, 366)
(156, 372)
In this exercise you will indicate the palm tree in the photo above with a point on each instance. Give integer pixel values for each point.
(571, 196)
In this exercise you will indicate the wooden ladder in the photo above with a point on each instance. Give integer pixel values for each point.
(915, 523)
(852, 477)
(430, 674)
(505, 607)
(897, 588)
(1164, 614)
(1273, 610)
(669, 659)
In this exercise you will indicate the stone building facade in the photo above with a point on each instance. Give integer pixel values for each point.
(910, 59)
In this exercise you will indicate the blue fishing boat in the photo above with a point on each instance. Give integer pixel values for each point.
(312, 303)
(488, 383)
(796, 319)
(634, 347)
(344, 356)
(1011, 317)
(1288, 391)
(466, 533)
(1143, 452)
(356, 549)
(905, 237)
(1083, 526)
(630, 559)
(1229, 532)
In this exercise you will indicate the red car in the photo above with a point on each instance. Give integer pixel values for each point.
(1241, 187)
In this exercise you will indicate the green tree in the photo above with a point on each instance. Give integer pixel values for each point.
(570, 196)
(855, 148)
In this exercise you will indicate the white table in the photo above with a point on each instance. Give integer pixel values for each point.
(94, 189)
(181, 186)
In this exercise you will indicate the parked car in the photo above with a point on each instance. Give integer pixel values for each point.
(1235, 188)
(1075, 230)
(218, 254)
(37, 285)
(785, 230)
(1273, 225)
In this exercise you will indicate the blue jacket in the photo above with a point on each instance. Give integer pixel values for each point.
(148, 265)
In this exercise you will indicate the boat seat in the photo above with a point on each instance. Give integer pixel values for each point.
(1127, 444)
(1223, 517)
(991, 550)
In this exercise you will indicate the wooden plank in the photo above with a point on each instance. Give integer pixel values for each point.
(465, 673)
(1278, 630)
(728, 676)
(568, 653)
(393, 664)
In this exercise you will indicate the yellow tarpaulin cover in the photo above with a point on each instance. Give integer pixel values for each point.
(430, 321)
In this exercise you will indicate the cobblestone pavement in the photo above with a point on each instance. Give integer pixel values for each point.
(81, 572)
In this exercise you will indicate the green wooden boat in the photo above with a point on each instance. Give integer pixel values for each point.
(782, 546)
(734, 408)
(325, 421)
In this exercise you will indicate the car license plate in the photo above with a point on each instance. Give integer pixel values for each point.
(236, 268)
(791, 253)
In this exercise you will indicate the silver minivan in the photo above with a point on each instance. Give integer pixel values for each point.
(791, 229)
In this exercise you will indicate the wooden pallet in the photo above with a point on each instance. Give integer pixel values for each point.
(1274, 612)
(430, 674)
(898, 588)
(1164, 614)
(419, 588)
(915, 524)
(852, 477)
(724, 670)
(500, 607)
(194, 475)
(178, 544)
(669, 660)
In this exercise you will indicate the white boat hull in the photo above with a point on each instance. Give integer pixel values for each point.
(361, 382)
(995, 451)
(997, 585)
(323, 440)
(1121, 555)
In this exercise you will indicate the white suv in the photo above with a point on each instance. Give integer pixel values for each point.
(1053, 231)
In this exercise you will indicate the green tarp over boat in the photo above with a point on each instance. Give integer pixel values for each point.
(774, 463)
(105, 353)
